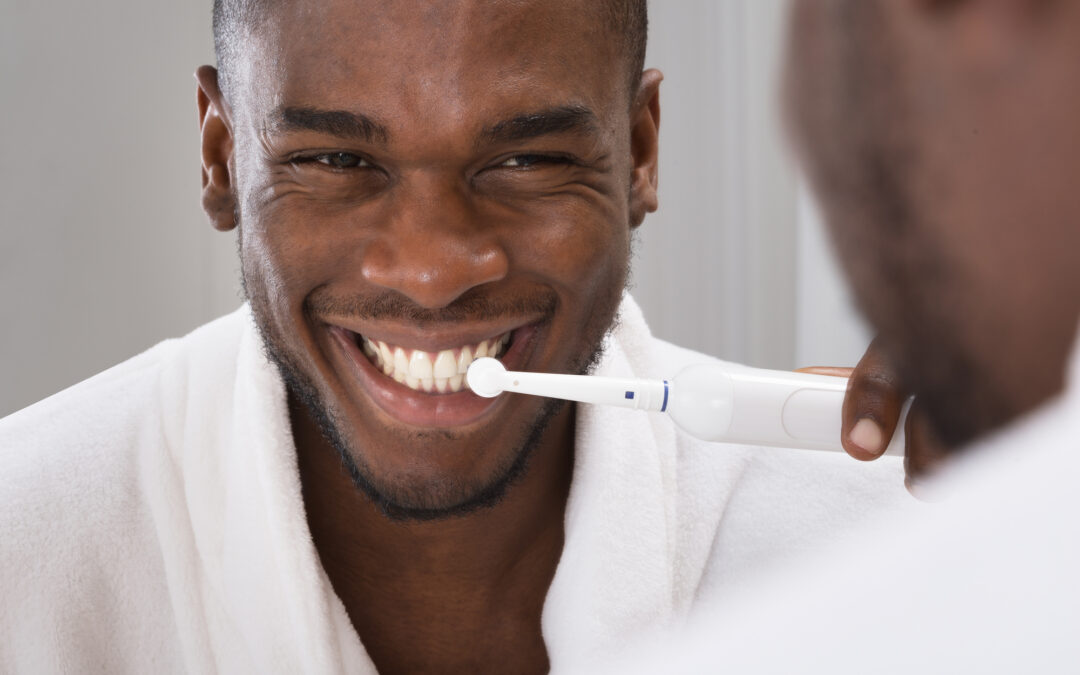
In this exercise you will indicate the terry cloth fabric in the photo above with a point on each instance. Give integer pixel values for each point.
(151, 519)
(983, 580)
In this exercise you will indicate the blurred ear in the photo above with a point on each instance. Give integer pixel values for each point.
(218, 197)
(644, 133)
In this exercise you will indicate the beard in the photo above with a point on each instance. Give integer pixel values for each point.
(429, 500)
(855, 111)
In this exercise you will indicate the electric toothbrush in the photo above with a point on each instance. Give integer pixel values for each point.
(715, 402)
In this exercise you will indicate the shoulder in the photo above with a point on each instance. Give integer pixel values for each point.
(84, 440)
(738, 509)
(115, 406)
(81, 552)
(675, 355)
(768, 506)
(72, 477)
(787, 504)
(86, 436)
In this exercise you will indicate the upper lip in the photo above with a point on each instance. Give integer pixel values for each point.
(430, 338)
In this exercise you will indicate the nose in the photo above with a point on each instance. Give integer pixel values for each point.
(433, 247)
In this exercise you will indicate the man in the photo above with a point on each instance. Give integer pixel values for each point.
(942, 139)
(302, 486)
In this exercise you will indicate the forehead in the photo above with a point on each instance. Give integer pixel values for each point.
(426, 63)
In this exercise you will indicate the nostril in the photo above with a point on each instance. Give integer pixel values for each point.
(433, 272)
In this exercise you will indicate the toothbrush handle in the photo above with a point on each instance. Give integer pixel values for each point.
(754, 406)
(613, 391)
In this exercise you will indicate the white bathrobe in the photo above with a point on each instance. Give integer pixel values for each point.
(151, 519)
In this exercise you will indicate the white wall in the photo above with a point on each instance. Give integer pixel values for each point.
(716, 268)
(104, 249)
(828, 330)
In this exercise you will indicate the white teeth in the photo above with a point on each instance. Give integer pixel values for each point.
(420, 365)
(442, 372)
(464, 360)
(445, 364)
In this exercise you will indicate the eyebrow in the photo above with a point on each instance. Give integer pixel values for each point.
(341, 123)
(571, 118)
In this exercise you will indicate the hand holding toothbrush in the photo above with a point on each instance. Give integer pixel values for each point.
(864, 416)
(872, 411)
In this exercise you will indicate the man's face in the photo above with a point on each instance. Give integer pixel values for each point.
(942, 140)
(419, 184)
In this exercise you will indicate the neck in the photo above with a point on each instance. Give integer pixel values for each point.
(492, 566)
(474, 545)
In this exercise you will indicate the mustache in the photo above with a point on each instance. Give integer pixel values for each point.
(474, 305)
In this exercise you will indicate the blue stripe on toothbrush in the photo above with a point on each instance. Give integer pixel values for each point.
(663, 408)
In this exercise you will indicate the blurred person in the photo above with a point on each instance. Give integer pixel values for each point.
(942, 140)
(302, 486)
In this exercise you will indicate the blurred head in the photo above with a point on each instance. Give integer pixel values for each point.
(415, 183)
(942, 140)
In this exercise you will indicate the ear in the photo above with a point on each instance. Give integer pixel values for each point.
(644, 134)
(215, 127)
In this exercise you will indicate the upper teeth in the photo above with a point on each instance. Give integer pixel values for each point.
(442, 372)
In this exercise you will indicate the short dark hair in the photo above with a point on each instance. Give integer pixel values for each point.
(628, 19)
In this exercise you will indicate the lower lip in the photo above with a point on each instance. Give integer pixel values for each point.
(420, 409)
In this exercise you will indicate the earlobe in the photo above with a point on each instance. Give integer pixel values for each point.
(218, 197)
(644, 137)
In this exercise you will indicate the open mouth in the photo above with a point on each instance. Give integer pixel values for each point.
(441, 372)
(421, 381)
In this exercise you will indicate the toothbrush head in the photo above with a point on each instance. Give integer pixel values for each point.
(485, 377)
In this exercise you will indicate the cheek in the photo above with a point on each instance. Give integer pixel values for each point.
(279, 260)
(579, 250)
(577, 243)
(297, 245)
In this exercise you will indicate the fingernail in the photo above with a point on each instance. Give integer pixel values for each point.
(867, 435)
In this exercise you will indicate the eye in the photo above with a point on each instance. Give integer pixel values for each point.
(342, 160)
(526, 161)
(335, 160)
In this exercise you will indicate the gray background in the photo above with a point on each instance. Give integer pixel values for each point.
(104, 249)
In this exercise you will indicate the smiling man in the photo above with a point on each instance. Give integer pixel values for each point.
(304, 485)
(406, 211)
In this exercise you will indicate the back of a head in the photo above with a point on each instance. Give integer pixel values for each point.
(941, 139)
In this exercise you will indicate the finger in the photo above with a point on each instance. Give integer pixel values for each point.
(872, 405)
(924, 453)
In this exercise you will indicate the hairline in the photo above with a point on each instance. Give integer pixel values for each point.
(233, 20)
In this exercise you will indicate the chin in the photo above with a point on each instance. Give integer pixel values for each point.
(442, 476)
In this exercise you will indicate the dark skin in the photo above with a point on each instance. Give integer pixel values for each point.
(876, 397)
(941, 139)
(459, 595)
(481, 169)
(536, 216)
